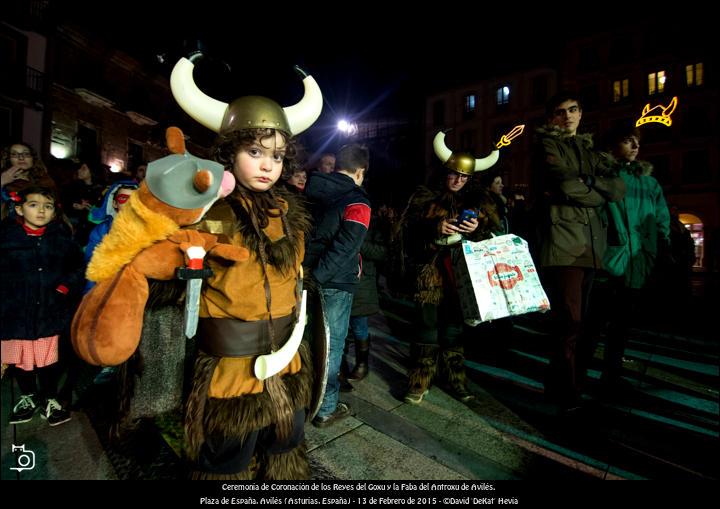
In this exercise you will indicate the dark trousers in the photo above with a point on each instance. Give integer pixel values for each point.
(222, 454)
(439, 325)
(622, 308)
(569, 292)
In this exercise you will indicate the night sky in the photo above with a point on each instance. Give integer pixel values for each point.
(365, 58)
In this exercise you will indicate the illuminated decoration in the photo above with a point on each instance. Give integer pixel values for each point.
(658, 114)
(507, 138)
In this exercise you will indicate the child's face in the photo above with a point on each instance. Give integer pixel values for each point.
(259, 166)
(628, 148)
(299, 179)
(37, 211)
(122, 197)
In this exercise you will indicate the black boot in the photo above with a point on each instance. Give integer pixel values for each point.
(345, 386)
(362, 351)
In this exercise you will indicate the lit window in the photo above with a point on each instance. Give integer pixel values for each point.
(694, 74)
(503, 95)
(621, 89)
(656, 82)
(469, 103)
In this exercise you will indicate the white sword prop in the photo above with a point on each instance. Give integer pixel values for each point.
(272, 363)
(193, 274)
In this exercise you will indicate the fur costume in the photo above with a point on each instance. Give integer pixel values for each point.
(419, 231)
(144, 243)
(227, 404)
(427, 255)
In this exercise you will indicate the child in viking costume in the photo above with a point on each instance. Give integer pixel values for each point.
(431, 229)
(243, 422)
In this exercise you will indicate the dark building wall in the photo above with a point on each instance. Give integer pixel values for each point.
(686, 155)
(107, 91)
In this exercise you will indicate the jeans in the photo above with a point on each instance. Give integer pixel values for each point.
(359, 327)
(337, 312)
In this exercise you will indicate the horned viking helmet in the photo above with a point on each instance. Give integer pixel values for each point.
(247, 112)
(462, 162)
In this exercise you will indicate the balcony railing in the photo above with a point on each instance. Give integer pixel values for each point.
(35, 80)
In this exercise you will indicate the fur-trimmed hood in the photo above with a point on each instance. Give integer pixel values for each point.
(638, 168)
(553, 131)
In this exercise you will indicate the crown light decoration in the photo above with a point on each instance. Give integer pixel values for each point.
(659, 114)
(505, 139)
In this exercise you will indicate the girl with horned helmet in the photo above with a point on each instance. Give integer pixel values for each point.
(252, 383)
(433, 224)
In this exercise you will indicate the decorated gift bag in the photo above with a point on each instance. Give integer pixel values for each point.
(497, 278)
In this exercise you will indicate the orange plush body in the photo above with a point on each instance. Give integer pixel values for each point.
(145, 242)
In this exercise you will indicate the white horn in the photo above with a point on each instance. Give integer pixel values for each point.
(441, 149)
(306, 112)
(272, 363)
(484, 164)
(206, 110)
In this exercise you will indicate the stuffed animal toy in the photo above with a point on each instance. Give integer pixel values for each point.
(146, 242)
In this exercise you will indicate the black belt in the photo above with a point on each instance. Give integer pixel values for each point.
(228, 337)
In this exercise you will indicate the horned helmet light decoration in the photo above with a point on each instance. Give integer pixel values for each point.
(461, 162)
(660, 114)
(248, 112)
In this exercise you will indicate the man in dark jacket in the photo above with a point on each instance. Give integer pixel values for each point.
(576, 182)
(341, 213)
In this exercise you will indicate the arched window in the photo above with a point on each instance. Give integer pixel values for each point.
(695, 225)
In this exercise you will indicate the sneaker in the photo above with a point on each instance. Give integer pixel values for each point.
(24, 410)
(415, 398)
(461, 394)
(342, 411)
(55, 414)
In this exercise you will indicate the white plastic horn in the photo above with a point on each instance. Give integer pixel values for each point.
(272, 363)
(306, 112)
(487, 162)
(203, 108)
(441, 149)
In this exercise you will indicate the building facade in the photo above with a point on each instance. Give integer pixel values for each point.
(616, 75)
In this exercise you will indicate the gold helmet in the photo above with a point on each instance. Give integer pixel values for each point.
(246, 112)
(462, 162)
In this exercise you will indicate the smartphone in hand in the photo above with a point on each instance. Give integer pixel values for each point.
(466, 215)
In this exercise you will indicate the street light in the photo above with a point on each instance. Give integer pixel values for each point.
(347, 128)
